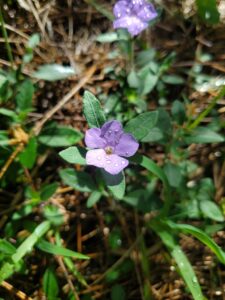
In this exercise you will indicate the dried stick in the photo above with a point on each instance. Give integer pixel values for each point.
(13, 290)
(64, 100)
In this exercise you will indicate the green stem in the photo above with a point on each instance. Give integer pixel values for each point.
(100, 9)
(158, 172)
(207, 110)
(5, 35)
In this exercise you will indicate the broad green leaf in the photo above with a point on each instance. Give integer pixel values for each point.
(80, 181)
(154, 135)
(29, 154)
(59, 136)
(92, 110)
(48, 191)
(59, 250)
(145, 57)
(24, 96)
(50, 284)
(162, 130)
(202, 135)
(148, 80)
(93, 198)
(34, 41)
(53, 215)
(133, 79)
(8, 113)
(118, 292)
(181, 259)
(211, 210)
(208, 12)
(173, 174)
(140, 126)
(53, 72)
(178, 111)
(201, 236)
(115, 183)
(74, 155)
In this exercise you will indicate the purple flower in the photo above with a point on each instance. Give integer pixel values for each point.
(133, 15)
(110, 145)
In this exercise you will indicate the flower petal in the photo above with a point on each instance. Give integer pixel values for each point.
(147, 13)
(132, 23)
(112, 164)
(111, 132)
(93, 139)
(121, 9)
(127, 145)
(96, 157)
(115, 164)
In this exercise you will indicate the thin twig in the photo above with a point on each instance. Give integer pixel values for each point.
(21, 295)
(64, 100)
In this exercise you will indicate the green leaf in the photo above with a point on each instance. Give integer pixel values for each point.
(59, 136)
(53, 215)
(58, 250)
(173, 174)
(48, 191)
(80, 181)
(203, 135)
(173, 79)
(151, 166)
(148, 80)
(74, 155)
(29, 154)
(181, 259)
(208, 12)
(50, 284)
(6, 248)
(108, 37)
(9, 113)
(162, 129)
(92, 110)
(53, 72)
(202, 237)
(93, 198)
(133, 79)
(178, 111)
(115, 183)
(30, 241)
(211, 210)
(25, 96)
(140, 126)
(118, 292)
(34, 41)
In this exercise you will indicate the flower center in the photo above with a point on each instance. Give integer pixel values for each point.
(108, 150)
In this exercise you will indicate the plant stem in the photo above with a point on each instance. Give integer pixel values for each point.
(207, 110)
(101, 9)
(5, 35)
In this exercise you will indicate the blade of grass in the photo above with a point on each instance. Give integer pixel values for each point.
(201, 236)
(205, 112)
(5, 35)
(183, 264)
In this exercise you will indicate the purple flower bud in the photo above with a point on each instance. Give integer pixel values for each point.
(133, 15)
(109, 146)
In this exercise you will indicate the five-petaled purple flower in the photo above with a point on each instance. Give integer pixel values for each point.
(133, 15)
(109, 146)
